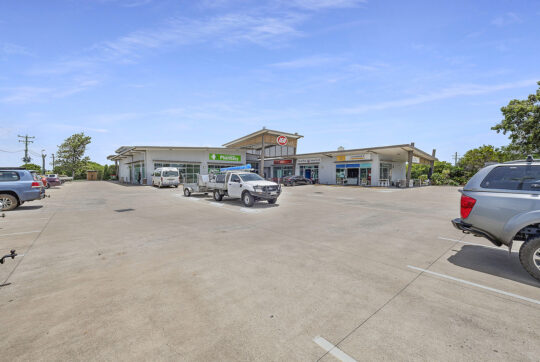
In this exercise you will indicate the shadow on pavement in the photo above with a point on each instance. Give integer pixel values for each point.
(29, 207)
(494, 262)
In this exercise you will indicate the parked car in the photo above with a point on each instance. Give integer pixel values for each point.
(166, 176)
(502, 203)
(53, 180)
(296, 180)
(18, 186)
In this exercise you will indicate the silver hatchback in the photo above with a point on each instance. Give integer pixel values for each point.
(502, 203)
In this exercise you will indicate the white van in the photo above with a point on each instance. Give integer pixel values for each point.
(166, 176)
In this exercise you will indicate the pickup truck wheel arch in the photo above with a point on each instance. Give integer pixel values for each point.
(10, 200)
(529, 257)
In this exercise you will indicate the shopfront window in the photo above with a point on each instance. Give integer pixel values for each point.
(385, 171)
(310, 171)
(353, 174)
(188, 172)
(282, 171)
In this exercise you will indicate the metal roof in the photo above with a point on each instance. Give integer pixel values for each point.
(263, 131)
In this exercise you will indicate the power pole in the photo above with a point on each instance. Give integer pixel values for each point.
(52, 155)
(26, 141)
(455, 159)
(43, 160)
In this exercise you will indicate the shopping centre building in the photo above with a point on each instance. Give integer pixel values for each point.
(273, 154)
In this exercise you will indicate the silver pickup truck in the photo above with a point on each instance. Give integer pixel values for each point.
(502, 203)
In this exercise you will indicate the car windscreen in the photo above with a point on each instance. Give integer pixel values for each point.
(251, 177)
(525, 178)
(170, 173)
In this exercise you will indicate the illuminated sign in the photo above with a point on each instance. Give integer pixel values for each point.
(282, 140)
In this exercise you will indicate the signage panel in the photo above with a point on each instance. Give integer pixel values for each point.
(223, 157)
(359, 157)
(308, 160)
(354, 165)
(282, 140)
(282, 162)
(415, 159)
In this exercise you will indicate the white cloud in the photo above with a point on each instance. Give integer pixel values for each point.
(458, 91)
(313, 61)
(28, 94)
(507, 19)
(13, 49)
(324, 4)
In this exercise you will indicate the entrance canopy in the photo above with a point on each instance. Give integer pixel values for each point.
(395, 153)
(265, 138)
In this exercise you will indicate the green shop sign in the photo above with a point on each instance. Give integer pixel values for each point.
(222, 157)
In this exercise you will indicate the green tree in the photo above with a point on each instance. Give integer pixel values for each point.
(106, 174)
(522, 122)
(32, 166)
(89, 165)
(475, 159)
(70, 154)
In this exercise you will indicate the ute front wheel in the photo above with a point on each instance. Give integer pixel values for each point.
(247, 199)
(272, 201)
(529, 256)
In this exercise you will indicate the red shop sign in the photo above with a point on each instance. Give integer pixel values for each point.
(282, 162)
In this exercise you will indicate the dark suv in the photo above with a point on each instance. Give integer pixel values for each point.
(502, 203)
(296, 180)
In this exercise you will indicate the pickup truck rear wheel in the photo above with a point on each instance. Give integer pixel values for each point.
(217, 196)
(247, 199)
(10, 202)
(529, 256)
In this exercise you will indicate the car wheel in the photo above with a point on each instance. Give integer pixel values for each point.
(247, 199)
(217, 196)
(272, 201)
(9, 202)
(187, 193)
(529, 256)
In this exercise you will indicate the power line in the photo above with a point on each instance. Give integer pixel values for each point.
(11, 151)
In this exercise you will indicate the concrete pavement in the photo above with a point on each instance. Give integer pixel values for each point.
(115, 272)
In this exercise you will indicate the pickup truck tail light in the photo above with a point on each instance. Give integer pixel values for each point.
(467, 204)
(36, 184)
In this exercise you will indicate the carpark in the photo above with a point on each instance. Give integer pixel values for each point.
(112, 271)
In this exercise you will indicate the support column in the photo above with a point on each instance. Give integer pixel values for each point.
(409, 166)
(431, 165)
(261, 166)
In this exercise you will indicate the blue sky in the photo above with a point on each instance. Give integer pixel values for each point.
(201, 73)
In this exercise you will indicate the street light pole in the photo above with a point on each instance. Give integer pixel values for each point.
(43, 155)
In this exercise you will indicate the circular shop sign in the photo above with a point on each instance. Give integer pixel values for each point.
(281, 140)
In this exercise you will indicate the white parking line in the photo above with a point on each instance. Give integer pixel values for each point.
(216, 204)
(469, 243)
(476, 285)
(333, 350)
(21, 233)
(248, 211)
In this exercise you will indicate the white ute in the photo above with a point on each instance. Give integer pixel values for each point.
(239, 183)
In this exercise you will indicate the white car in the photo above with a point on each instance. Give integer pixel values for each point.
(166, 176)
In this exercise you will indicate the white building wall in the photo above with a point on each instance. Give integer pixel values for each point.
(327, 171)
(201, 157)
